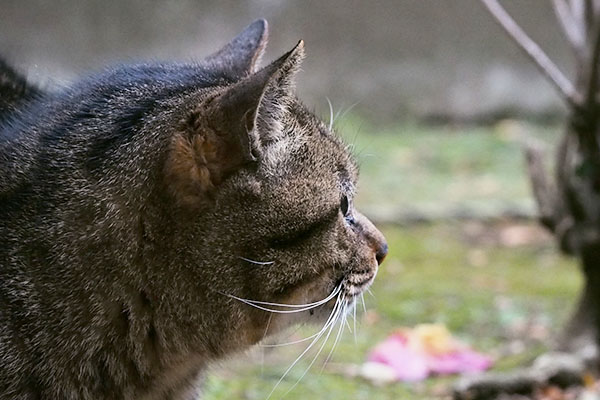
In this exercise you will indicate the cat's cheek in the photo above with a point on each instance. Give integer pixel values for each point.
(320, 315)
(343, 250)
(314, 289)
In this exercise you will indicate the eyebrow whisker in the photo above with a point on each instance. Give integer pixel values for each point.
(331, 117)
(256, 262)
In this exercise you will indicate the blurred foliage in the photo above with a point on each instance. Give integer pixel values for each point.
(412, 170)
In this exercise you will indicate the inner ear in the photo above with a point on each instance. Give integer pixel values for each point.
(220, 135)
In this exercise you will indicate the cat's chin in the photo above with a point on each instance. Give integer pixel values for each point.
(353, 290)
(357, 282)
(322, 316)
(323, 301)
(344, 297)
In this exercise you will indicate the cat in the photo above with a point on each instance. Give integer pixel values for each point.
(152, 214)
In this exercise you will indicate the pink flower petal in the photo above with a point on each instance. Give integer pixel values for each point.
(407, 355)
(458, 362)
(408, 364)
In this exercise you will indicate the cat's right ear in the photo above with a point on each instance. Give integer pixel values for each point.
(240, 57)
(220, 135)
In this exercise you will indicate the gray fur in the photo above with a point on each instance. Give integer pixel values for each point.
(128, 203)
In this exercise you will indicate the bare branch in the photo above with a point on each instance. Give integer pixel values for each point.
(564, 86)
(577, 11)
(592, 72)
(588, 12)
(572, 28)
(546, 368)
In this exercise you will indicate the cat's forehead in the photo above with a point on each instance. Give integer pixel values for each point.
(309, 139)
(327, 137)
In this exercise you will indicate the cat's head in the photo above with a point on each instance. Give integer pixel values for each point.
(269, 190)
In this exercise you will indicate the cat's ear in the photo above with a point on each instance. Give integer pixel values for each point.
(235, 111)
(240, 57)
(221, 136)
(287, 67)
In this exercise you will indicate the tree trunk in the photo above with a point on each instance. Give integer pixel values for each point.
(569, 207)
(582, 331)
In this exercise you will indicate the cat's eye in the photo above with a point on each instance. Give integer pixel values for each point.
(344, 205)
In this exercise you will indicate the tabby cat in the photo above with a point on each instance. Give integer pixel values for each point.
(151, 215)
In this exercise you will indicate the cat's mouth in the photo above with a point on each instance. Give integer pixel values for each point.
(357, 282)
(339, 299)
(347, 290)
(346, 293)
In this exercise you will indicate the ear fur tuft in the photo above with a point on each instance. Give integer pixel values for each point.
(188, 169)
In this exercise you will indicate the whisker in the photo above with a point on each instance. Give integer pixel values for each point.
(344, 316)
(337, 338)
(354, 320)
(364, 148)
(264, 308)
(331, 118)
(316, 355)
(267, 327)
(292, 342)
(299, 357)
(316, 303)
(309, 337)
(257, 262)
(346, 111)
(262, 359)
(348, 324)
(300, 307)
(362, 299)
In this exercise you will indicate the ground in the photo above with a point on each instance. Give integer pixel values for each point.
(496, 281)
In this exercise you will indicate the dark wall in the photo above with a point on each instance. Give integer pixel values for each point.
(395, 58)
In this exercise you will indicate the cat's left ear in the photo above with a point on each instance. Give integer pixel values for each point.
(240, 57)
(220, 135)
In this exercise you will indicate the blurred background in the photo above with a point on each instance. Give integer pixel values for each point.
(421, 59)
(436, 102)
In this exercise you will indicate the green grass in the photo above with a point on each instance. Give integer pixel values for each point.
(441, 171)
(501, 298)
